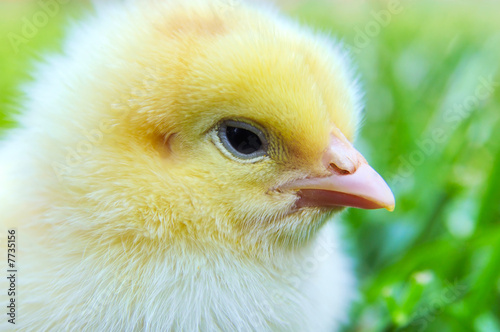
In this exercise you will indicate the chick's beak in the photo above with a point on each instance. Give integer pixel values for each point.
(351, 182)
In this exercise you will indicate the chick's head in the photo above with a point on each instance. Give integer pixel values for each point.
(234, 126)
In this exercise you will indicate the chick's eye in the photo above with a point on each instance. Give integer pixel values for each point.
(242, 140)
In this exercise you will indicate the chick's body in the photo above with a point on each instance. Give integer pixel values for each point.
(130, 213)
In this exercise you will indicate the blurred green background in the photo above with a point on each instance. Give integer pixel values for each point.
(430, 71)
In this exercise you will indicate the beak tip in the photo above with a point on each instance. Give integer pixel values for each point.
(390, 204)
(390, 208)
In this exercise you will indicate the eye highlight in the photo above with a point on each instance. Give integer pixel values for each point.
(242, 140)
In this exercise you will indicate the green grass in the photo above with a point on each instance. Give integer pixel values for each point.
(434, 263)
(21, 45)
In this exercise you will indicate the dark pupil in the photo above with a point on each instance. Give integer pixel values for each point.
(242, 140)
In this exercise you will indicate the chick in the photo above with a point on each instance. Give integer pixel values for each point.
(175, 169)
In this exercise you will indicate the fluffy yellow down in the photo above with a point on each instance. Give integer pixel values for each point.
(113, 173)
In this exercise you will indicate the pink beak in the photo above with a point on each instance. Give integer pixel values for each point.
(352, 181)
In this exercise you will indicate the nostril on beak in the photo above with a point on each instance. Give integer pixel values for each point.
(340, 157)
(339, 170)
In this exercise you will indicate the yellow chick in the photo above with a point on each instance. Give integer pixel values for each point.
(175, 169)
